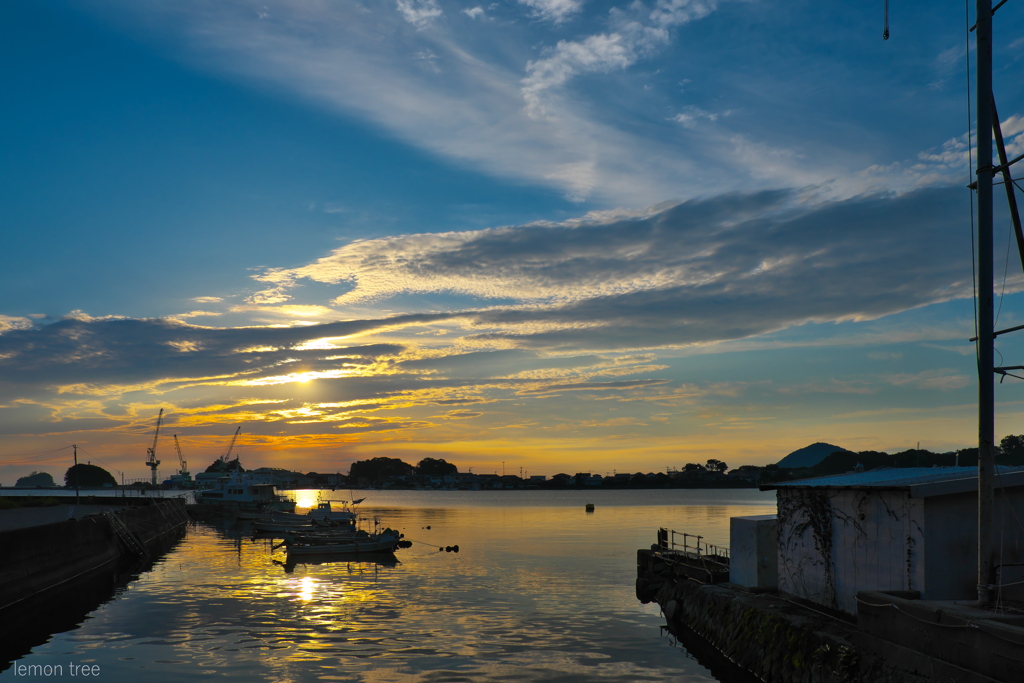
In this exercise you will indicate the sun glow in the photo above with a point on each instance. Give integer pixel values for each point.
(299, 377)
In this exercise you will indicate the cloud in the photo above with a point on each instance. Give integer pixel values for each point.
(691, 115)
(419, 13)
(474, 12)
(553, 10)
(635, 37)
(125, 351)
(704, 271)
(466, 106)
(9, 322)
(596, 386)
(945, 379)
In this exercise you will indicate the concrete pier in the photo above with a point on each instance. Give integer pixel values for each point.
(778, 639)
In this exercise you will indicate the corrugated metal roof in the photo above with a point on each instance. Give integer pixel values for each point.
(903, 477)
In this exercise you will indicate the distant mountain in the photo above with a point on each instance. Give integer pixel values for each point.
(809, 456)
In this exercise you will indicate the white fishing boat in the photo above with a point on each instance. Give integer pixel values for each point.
(384, 542)
(245, 495)
(324, 511)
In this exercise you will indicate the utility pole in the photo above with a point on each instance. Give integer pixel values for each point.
(74, 447)
(986, 338)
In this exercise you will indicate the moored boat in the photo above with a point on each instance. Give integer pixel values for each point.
(245, 495)
(324, 511)
(385, 542)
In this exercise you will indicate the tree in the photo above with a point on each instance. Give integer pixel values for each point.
(716, 466)
(226, 466)
(36, 479)
(1011, 450)
(435, 467)
(379, 468)
(88, 476)
(693, 467)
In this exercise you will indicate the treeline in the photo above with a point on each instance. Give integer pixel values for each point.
(81, 475)
(1009, 453)
(380, 469)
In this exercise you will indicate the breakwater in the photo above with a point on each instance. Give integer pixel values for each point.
(778, 640)
(53, 574)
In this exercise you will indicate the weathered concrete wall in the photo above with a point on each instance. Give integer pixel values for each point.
(834, 543)
(45, 557)
(961, 636)
(951, 544)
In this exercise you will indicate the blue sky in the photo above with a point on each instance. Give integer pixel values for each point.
(569, 234)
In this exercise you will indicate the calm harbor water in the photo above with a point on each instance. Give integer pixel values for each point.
(540, 591)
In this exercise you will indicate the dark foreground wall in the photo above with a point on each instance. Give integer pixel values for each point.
(778, 641)
(38, 559)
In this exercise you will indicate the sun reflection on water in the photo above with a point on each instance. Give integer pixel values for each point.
(305, 498)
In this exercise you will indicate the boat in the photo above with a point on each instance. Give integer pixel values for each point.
(324, 511)
(385, 542)
(245, 495)
(265, 525)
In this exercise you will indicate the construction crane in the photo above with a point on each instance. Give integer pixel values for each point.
(227, 456)
(184, 465)
(151, 451)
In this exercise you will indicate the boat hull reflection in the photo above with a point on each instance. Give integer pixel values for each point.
(378, 559)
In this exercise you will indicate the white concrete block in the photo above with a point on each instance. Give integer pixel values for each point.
(754, 551)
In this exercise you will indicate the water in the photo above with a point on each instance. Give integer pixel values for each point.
(540, 591)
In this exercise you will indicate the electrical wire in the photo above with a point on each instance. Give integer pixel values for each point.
(32, 454)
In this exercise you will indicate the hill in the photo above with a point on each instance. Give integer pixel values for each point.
(809, 456)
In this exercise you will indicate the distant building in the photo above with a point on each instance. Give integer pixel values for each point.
(285, 479)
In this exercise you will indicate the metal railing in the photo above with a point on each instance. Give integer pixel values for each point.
(693, 545)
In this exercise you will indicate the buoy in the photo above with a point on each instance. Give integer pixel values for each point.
(590, 507)
(455, 548)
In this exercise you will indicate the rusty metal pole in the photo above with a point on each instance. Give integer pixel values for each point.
(986, 339)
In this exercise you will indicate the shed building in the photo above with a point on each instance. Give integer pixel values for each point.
(909, 529)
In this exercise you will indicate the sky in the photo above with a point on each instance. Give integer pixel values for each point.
(526, 235)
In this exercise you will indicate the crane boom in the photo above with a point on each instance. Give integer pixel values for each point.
(181, 459)
(151, 460)
(231, 446)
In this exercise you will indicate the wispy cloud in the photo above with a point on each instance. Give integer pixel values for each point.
(703, 271)
(638, 32)
(554, 10)
(494, 98)
(419, 13)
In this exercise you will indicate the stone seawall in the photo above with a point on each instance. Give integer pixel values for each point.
(779, 641)
(45, 558)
